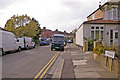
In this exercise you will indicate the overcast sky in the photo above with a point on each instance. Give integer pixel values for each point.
(53, 14)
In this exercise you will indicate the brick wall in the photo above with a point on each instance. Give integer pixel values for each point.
(98, 14)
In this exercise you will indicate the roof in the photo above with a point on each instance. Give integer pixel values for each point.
(3, 29)
(101, 21)
(58, 35)
(107, 3)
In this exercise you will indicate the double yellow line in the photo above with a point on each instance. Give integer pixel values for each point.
(46, 67)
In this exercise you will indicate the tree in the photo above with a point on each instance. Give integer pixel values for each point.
(36, 38)
(23, 26)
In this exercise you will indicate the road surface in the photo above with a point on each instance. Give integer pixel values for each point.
(27, 63)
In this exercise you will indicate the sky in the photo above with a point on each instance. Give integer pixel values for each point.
(52, 14)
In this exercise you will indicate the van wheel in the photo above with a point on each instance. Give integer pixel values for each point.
(34, 46)
(27, 47)
(62, 49)
(19, 49)
(3, 53)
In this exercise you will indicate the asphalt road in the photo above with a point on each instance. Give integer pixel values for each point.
(27, 63)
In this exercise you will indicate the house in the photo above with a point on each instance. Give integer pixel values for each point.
(46, 33)
(101, 25)
(67, 35)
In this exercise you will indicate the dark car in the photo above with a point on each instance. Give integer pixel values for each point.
(44, 41)
(58, 42)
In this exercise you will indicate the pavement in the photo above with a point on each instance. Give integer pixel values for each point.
(74, 64)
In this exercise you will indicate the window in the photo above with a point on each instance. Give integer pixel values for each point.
(92, 34)
(111, 33)
(111, 42)
(116, 34)
(101, 34)
(101, 28)
(111, 37)
(114, 13)
(92, 27)
(97, 27)
(97, 34)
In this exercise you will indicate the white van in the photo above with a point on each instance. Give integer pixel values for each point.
(8, 42)
(26, 42)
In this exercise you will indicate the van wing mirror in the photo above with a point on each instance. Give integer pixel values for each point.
(17, 40)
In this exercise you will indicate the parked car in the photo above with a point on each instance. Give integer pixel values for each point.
(44, 41)
(26, 42)
(8, 42)
(58, 42)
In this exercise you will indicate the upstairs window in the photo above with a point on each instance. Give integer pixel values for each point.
(114, 13)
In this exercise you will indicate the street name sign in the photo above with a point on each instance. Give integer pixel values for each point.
(110, 54)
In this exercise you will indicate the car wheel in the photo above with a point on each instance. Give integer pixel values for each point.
(19, 49)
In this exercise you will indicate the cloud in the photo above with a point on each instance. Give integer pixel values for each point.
(6, 3)
(53, 14)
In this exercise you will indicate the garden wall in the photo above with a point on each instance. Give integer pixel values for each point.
(108, 63)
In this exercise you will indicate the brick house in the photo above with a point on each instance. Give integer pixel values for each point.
(46, 33)
(64, 33)
(102, 25)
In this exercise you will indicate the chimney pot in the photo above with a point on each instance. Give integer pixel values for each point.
(44, 28)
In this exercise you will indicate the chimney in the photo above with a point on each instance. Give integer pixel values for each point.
(44, 28)
(99, 4)
(64, 31)
(56, 29)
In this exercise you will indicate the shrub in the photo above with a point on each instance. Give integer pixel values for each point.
(90, 44)
(99, 49)
(111, 48)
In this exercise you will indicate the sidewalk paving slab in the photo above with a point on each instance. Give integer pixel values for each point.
(82, 66)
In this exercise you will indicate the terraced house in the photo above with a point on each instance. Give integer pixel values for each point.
(102, 24)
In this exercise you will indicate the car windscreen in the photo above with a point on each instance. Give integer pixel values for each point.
(58, 38)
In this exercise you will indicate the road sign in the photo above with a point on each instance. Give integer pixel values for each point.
(110, 54)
